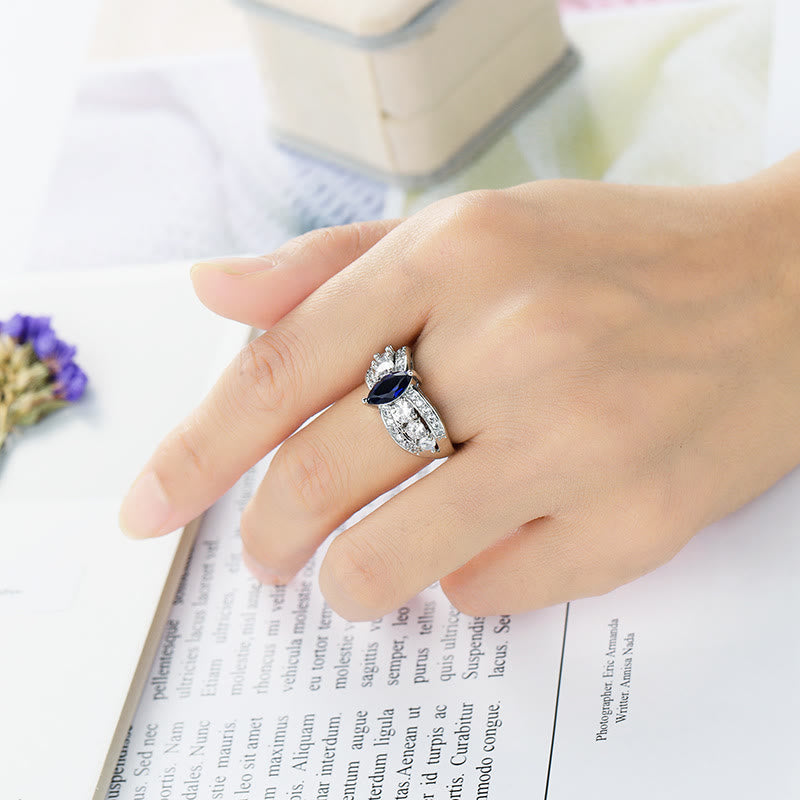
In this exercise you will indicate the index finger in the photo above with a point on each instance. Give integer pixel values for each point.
(315, 354)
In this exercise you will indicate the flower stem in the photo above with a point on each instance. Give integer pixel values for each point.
(4, 426)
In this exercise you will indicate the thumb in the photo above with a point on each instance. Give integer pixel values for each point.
(259, 291)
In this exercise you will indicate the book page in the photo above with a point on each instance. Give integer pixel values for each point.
(682, 683)
(79, 602)
(264, 692)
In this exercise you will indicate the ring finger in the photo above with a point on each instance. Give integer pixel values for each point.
(318, 478)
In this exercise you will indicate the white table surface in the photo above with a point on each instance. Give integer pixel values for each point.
(783, 125)
(44, 48)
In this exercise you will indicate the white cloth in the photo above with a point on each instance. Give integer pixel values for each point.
(673, 93)
(169, 160)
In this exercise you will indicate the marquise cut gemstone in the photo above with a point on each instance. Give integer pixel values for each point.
(388, 388)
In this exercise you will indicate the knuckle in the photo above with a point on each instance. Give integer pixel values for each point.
(305, 469)
(325, 239)
(363, 573)
(509, 342)
(188, 447)
(344, 241)
(477, 207)
(294, 247)
(639, 544)
(549, 205)
(455, 225)
(269, 370)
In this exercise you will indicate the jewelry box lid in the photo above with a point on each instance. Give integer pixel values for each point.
(365, 24)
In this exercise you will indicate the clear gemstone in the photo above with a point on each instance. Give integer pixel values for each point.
(401, 359)
(382, 366)
(396, 430)
(428, 414)
(405, 405)
(427, 442)
(415, 429)
(412, 422)
(401, 410)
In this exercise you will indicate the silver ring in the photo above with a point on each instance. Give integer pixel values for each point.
(408, 415)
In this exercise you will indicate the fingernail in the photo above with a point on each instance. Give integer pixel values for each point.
(238, 265)
(146, 508)
(261, 573)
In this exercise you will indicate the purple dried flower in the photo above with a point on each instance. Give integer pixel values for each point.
(37, 372)
(28, 329)
(62, 355)
(36, 327)
(71, 382)
(44, 343)
(16, 327)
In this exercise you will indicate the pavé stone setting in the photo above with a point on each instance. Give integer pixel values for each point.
(407, 414)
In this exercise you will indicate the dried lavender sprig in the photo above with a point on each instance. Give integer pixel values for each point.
(38, 374)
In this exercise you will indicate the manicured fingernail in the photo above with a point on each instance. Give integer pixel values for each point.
(235, 265)
(146, 508)
(261, 573)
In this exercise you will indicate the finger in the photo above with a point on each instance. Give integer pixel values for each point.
(548, 561)
(318, 478)
(535, 565)
(313, 356)
(259, 291)
(429, 529)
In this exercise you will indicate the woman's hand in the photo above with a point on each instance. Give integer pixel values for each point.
(617, 367)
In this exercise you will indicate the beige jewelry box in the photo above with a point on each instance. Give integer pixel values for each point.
(405, 89)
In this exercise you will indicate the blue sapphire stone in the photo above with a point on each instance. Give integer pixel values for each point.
(388, 388)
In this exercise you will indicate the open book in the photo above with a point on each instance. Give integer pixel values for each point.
(683, 683)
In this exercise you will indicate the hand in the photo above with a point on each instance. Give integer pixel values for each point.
(616, 366)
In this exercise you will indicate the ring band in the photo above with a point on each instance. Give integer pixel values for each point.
(408, 415)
